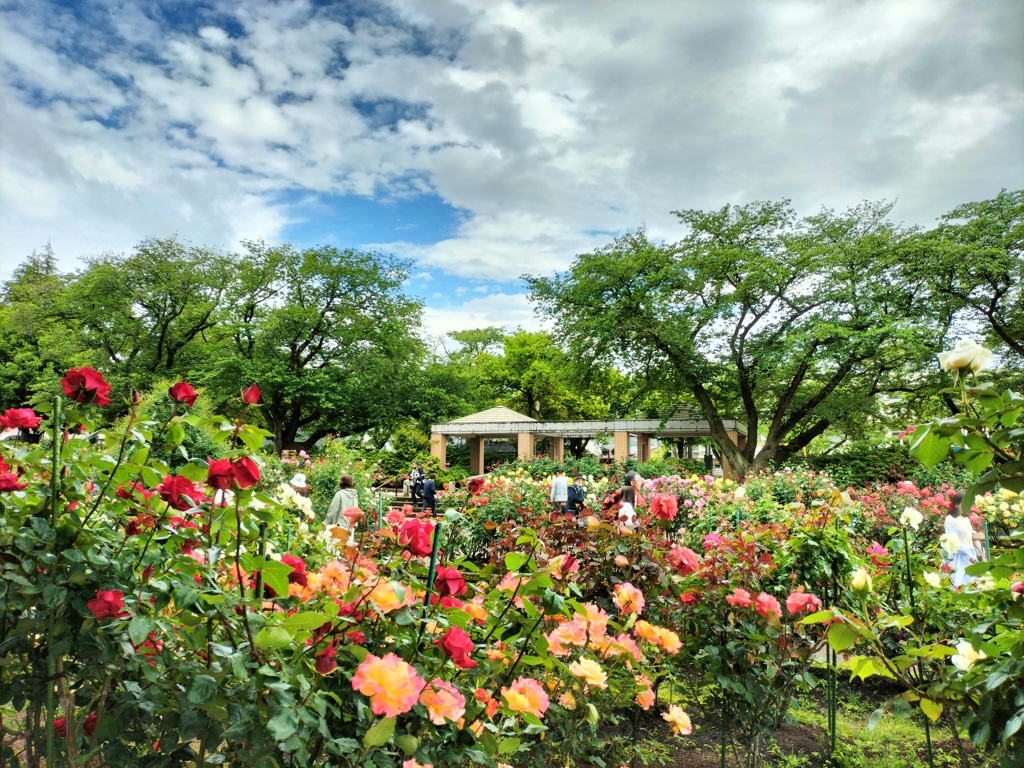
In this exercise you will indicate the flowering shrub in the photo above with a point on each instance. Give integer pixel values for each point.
(149, 617)
(1003, 509)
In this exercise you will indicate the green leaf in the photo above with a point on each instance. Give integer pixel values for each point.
(408, 744)
(929, 448)
(283, 724)
(379, 733)
(508, 746)
(841, 637)
(275, 576)
(202, 689)
(139, 628)
(514, 561)
(875, 717)
(818, 617)
(277, 637)
(305, 621)
(932, 709)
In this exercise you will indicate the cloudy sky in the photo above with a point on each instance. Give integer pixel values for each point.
(484, 139)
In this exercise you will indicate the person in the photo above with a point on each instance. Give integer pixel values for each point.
(627, 516)
(298, 482)
(574, 503)
(345, 498)
(416, 476)
(559, 490)
(957, 524)
(429, 493)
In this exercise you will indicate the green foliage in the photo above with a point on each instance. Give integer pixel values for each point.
(868, 465)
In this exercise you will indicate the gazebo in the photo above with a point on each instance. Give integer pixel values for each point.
(503, 422)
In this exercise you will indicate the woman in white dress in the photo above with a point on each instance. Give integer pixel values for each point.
(957, 524)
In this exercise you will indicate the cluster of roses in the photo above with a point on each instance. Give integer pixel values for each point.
(769, 608)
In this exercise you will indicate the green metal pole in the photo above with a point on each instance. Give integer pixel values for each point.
(988, 549)
(51, 657)
(433, 564)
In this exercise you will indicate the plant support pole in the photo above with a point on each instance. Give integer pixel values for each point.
(51, 657)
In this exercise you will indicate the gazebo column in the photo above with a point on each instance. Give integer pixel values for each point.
(558, 449)
(620, 443)
(525, 446)
(439, 447)
(643, 448)
(476, 456)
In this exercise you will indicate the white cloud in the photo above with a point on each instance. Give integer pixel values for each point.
(543, 122)
(510, 311)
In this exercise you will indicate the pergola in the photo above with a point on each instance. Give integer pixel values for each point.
(503, 422)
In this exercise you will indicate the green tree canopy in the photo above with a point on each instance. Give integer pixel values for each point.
(786, 324)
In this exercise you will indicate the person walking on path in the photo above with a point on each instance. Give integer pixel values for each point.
(429, 496)
(958, 527)
(574, 503)
(416, 476)
(559, 490)
(345, 498)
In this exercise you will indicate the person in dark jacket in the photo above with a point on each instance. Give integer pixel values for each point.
(429, 495)
(574, 505)
(416, 478)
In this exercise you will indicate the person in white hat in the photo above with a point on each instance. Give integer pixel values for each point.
(299, 484)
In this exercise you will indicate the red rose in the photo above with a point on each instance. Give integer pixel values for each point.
(664, 507)
(798, 602)
(1017, 588)
(417, 537)
(9, 482)
(86, 386)
(147, 572)
(251, 396)
(60, 727)
(450, 602)
(179, 491)
(124, 492)
(183, 393)
(298, 574)
(325, 660)
(475, 484)
(246, 472)
(767, 606)
(90, 724)
(449, 581)
(107, 603)
(220, 475)
(20, 418)
(683, 559)
(457, 645)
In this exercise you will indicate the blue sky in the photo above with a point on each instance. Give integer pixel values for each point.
(484, 140)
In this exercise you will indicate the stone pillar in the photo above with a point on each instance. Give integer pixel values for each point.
(439, 447)
(558, 449)
(621, 446)
(525, 446)
(643, 448)
(476, 456)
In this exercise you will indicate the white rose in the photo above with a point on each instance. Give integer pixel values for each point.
(985, 583)
(966, 656)
(911, 517)
(740, 492)
(933, 579)
(950, 542)
(861, 580)
(966, 354)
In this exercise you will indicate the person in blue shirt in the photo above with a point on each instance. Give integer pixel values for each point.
(574, 504)
(429, 495)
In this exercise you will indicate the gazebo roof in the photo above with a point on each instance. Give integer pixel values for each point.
(497, 415)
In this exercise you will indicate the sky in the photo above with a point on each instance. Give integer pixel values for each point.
(483, 139)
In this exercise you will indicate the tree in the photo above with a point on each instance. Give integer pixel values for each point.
(143, 313)
(786, 324)
(327, 334)
(35, 344)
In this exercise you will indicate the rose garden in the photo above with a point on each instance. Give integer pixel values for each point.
(173, 596)
(202, 616)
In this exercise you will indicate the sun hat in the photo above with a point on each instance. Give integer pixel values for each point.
(299, 481)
